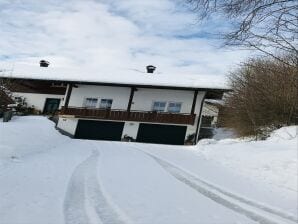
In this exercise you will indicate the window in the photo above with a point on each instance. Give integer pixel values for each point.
(174, 107)
(159, 106)
(90, 102)
(106, 103)
(206, 121)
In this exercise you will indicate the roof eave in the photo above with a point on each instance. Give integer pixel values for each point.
(123, 84)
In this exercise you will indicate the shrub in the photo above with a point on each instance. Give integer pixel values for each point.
(263, 97)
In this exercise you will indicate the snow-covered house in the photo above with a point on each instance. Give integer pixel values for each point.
(32, 86)
(141, 106)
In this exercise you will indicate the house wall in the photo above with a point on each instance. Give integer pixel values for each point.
(37, 100)
(131, 129)
(142, 100)
(68, 125)
(120, 95)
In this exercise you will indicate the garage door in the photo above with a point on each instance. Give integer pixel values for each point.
(99, 130)
(164, 134)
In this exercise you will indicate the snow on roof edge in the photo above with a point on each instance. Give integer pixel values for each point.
(116, 77)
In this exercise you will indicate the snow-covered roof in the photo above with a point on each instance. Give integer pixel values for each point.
(113, 76)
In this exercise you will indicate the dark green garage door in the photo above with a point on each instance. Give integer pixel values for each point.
(99, 130)
(164, 134)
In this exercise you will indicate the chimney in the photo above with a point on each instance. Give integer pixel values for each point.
(44, 63)
(150, 68)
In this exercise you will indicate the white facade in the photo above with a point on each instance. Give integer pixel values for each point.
(37, 100)
(142, 101)
(68, 124)
(120, 95)
(144, 98)
(131, 129)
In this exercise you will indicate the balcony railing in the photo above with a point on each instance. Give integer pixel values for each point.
(142, 116)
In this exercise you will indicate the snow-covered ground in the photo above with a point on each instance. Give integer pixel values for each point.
(46, 177)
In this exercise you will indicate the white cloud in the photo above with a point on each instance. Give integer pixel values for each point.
(109, 33)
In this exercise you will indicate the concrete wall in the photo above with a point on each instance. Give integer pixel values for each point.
(37, 100)
(68, 124)
(131, 129)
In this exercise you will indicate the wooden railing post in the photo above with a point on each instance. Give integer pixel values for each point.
(68, 93)
(194, 101)
(132, 91)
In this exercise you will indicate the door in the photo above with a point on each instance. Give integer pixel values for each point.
(51, 105)
(99, 130)
(163, 134)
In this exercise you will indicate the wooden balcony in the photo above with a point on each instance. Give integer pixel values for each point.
(122, 115)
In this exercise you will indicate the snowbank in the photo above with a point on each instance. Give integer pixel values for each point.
(273, 160)
(14, 143)
(284, 133)
(36, 163)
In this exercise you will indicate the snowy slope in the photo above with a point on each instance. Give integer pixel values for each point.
(273, 161)
(49, 178)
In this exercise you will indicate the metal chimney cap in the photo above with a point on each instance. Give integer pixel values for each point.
(150, 68)
(44, 63)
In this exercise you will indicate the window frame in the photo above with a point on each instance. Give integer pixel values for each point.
(93, 98)
(106, 108)
(157, 101)
(168, 106)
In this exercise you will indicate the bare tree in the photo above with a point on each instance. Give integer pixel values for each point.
(6, 85)
(264, 97)
(270, 26)
(5, 96)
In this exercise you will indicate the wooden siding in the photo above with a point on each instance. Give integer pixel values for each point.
(33, 86)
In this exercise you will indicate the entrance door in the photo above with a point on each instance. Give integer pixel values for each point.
(163, 134)
(51, 105)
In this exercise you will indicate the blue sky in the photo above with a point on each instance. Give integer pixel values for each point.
(113, 33)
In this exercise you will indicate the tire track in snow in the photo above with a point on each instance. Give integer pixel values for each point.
(192, 182)
(84, 201)
(249, 202)
(239, 198)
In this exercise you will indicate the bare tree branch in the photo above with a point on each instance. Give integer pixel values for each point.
(269, 26)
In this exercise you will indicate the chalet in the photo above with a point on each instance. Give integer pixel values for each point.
(136, 106)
